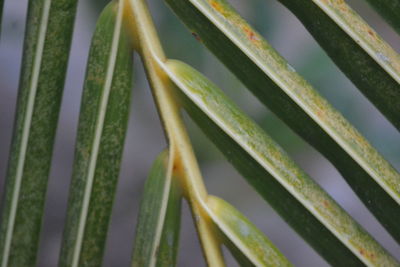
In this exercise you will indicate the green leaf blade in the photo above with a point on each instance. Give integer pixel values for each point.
(297, 198)
(101, 134)
(157, 231)
(246, 242)
(46, 50)
(360, 53)
(169, 244)
(284, 92)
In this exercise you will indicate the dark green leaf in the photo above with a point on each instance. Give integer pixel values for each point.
(46, 49)
(101, 134)
(367, 73)
(287, 94)
(290, 191)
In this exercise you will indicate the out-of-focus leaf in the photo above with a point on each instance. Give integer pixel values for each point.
(101, 133)
(287, 94)
(247, 243)
(46, 49)
(293, 194)
(367, 60)
(157, 230)
(390, 10)
(168, 249)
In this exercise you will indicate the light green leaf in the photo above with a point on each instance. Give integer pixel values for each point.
(157, 230)
(101, 133)
(247, 243)
(287, 94)
(367, 60)
(390, 10)
(293, 194)
(46, 49)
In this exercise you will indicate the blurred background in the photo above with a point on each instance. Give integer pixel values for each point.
(145, 138)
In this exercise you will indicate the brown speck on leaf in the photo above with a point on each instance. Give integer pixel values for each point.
(177, 167)
(370, 32)
(196, 36)
(320, 113)
(217, 6)
(251, 35)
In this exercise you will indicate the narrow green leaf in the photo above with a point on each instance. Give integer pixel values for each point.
(168, 249)
(46, 49)
(246, 242)
(157, 230)
(390, 10)
(101, 133)
(279, 87)
(366, 59)
(293, 194)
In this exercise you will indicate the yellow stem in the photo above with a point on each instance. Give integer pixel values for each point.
(146, 42)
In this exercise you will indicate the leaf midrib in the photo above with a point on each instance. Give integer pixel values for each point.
(97, 137)
(26, 130)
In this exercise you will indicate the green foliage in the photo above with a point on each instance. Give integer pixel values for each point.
(47, 42)
(101, 132)
(157, 231)
(126, 26)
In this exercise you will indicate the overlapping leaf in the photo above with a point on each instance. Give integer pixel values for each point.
(369, 62)
(287, 94)
(148, 46)
(296, 197)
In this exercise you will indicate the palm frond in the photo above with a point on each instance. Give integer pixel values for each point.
(294, 100)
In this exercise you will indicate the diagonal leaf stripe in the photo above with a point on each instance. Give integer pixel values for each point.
(101, 134)
(361, 33)
(247, 243)
(371, 64)
(46, 49)
(287, 94)
(297, 198)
